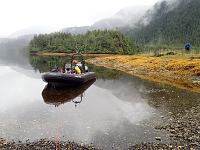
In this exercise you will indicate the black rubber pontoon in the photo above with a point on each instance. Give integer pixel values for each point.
(63, 79)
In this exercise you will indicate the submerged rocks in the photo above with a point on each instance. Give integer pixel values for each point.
(184, 133)
(44, 144)
(155, 146)
(158, 138)
(2, 142)
(185, 130)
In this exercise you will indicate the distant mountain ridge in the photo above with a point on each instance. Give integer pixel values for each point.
(32, 31)
(126, 17)
(77, 30)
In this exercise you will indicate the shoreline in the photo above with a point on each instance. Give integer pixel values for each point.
(67, 54)
(181, 72)
(44, 144)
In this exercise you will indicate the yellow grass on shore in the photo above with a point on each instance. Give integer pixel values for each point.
(182, 72)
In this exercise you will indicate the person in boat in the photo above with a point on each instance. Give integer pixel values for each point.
(68, 69)
(60, 69)
(77, 70)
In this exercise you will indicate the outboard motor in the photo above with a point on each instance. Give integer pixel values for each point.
(86, 69)
(54, 69)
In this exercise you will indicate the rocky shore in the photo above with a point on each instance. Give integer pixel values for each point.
(43, 144)
(184, 132)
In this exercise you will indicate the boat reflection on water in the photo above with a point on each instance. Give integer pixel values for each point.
(60, 95)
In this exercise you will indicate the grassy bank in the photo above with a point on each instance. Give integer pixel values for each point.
(178, 70)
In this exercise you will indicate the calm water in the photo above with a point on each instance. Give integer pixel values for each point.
(117, 110)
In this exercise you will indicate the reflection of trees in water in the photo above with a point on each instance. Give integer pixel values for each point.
(165, 98)
(105, 73)
(46, 63)
(159, 96)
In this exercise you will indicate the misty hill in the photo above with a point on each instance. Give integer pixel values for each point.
(169, 23)
(32, 31)
(77, 30)
(126, 17)
(26, 38)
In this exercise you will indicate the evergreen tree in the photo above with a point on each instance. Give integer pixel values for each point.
(92, 42)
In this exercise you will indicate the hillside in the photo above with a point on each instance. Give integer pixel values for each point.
(169, 23)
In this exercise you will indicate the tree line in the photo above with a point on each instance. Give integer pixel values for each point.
(97, 41)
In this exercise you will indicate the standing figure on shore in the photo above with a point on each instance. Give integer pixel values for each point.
(187, 46)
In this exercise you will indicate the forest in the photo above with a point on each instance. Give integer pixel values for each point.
(92, 42)
(171, 25)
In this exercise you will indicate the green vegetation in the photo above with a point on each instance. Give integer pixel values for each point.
(170, 26)
(91, 42)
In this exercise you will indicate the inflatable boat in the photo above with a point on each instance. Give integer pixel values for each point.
(64, 79)
(68, 76)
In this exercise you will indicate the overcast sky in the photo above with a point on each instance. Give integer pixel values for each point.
(19, 14)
